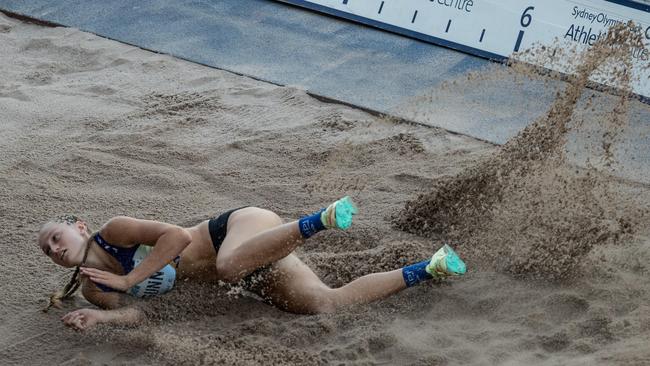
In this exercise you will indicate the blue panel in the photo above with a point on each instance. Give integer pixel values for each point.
(397, 30)
(632, 4)
(327, 56)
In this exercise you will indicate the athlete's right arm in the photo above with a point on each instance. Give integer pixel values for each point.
(116, 308)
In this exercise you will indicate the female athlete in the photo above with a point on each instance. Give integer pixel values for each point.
(130, 258)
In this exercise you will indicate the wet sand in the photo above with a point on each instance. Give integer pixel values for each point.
(98, 128)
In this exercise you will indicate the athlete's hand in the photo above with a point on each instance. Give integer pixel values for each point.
(82, 319)
(112, 280)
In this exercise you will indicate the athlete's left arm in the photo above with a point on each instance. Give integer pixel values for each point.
(168, 241)
(115, 308)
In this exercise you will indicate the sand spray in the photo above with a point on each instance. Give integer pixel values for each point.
(525, 209)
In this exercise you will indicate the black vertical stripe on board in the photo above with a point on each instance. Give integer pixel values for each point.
(519, 38)
(380, 7)
(482, 34)
(448, 24)
(414, 15)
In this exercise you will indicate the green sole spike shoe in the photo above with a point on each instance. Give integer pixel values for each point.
(445, 262)
(339, 214)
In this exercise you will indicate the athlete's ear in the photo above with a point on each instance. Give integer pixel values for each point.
(81, 226)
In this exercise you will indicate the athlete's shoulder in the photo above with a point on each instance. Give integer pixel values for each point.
(129, 231)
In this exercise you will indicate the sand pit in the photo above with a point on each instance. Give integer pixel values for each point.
(98, 128)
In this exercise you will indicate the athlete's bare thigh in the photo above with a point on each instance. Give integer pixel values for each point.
(245, 223)
(288, 283)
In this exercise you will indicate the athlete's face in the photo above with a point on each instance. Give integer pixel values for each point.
(63, 243)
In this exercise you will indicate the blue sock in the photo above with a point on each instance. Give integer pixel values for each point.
(416, 273)
(310, 225)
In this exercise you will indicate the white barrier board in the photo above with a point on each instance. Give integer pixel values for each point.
(497, 28)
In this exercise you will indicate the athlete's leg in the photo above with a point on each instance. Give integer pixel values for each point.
(369, 288)
(293, 286)
(257, 237)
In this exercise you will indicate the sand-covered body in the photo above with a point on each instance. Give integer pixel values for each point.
(99, 129)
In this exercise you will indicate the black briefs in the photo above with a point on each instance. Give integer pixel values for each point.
(218, 227)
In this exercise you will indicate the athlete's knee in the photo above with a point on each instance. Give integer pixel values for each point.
(228, 271)
(324, 301)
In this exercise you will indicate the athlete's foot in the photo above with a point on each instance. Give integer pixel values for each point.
(445, 262)
(339, 214)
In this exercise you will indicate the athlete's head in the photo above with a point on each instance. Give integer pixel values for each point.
(64, 240)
